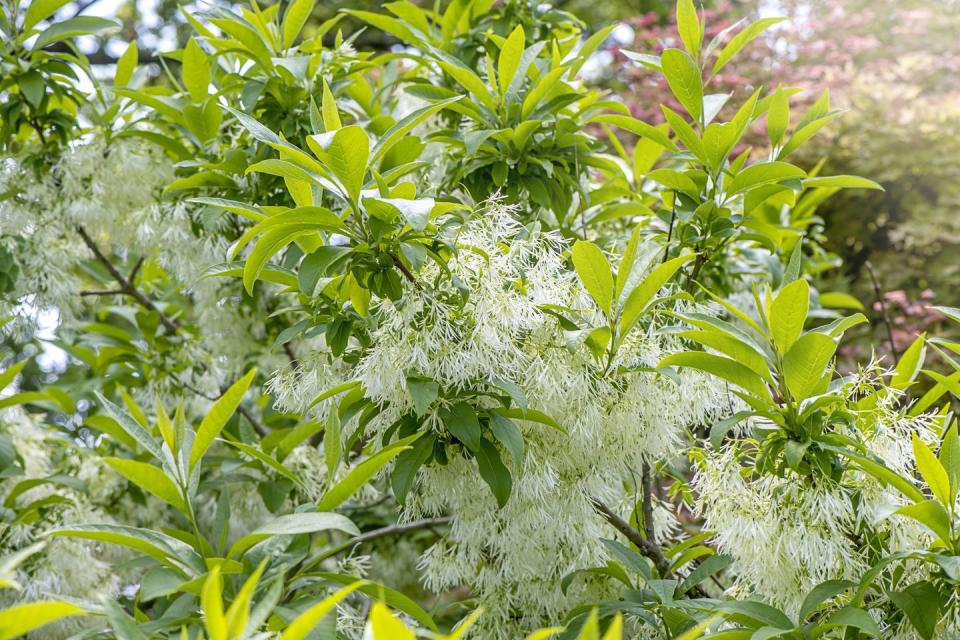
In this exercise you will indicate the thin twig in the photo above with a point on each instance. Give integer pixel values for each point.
(107, 292)
(133, 272)
(394, 529)
(646, 484)
(883, 310)
(170, 324)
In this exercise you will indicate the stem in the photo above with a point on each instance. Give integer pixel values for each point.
(883, 310)
(666, 248)
(403, 269)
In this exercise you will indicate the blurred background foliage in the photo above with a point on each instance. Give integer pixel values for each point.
(893, 65)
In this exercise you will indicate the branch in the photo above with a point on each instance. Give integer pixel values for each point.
(126, 285)
(170, 324)
(649, 548)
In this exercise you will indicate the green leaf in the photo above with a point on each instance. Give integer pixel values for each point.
(910, 363)
(805, 363)
(24, 618)
(763, 173)
(332, 445)
(821, 593)
(532, 415)
(733, 347)
(295, 17)
(31, 86)
(675, 181)
(399, 131)
(930, 514)
(778, 116)
(920, 602)
(944, 384)
(151, 478)
(756, 613)
(361, 473)
(345, 153)
(788, 313)
(638, 127)
(79, 26)
(507, 434)
(595, 273)
(11, 373)
(394, 599)
(423, 393)
(462, 422)
(627, 261)
(688, 24)
(466, 78)
(123, 626)
(330, 115)
(126, 65)
(509, 60)
(932, 471)
(40, 10)
(856, 618)
(302, 625)
(686, 83)
(740, 40)
(722, 427)
(640, 298)
(886, 476)
(216, 418)
(408, 463)
(725, 368)
(950, 458)
(841, 182)
(493, 471)
(159, 546)
(540, 89)
(294, 524)
(840, 300)
(131, 427)
(196, 71)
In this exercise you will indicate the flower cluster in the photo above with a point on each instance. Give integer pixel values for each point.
(498, 332)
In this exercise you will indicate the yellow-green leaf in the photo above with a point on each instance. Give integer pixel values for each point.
(150, 478)
(211, 601)
(24, 618)
(594, 271)
(788, 313)
(686, 83)
(932, 470)
(331, 117)
(218, 415)
(511, 54)
(196, 71)
(295, 17)
(688, 24)
(126, 65)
